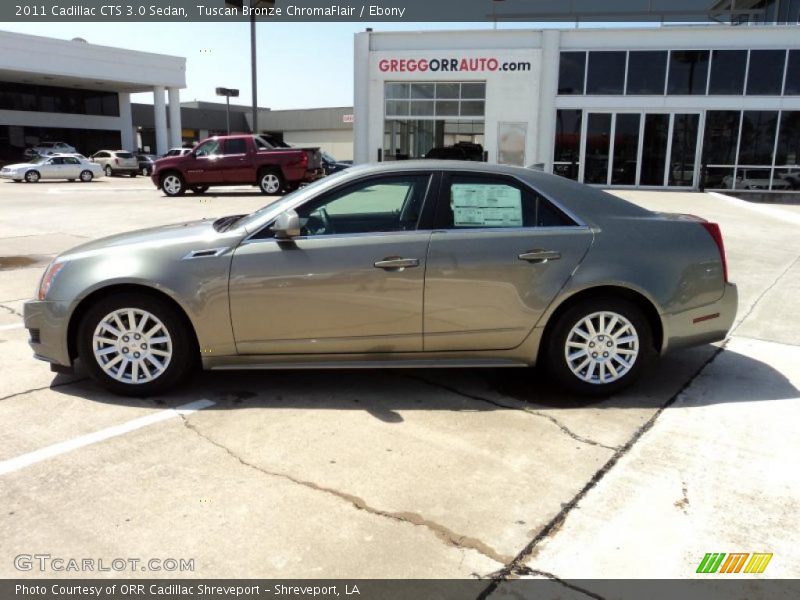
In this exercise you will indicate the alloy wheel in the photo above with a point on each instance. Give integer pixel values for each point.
(172, 185)
(132, 345)
(270, 183)
(602, 347)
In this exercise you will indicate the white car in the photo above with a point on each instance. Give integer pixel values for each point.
(48, 148)
(58, 166)
(754, 179)
(116, 162)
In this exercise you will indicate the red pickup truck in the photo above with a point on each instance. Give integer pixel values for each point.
(237, 160)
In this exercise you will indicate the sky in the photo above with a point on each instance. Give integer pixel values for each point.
(300, 65)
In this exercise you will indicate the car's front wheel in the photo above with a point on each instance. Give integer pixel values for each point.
(599, 346)
(173, 185)
(86, 176)
(135, 344)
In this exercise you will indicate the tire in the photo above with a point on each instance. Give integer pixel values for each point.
(624, 336)
(167, 351)
(270, 182)
(32, 176)
(199, 189)
(173, 184)
(108, 171)
(145, 172)
(86, 176)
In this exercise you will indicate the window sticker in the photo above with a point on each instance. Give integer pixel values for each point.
(485, 205)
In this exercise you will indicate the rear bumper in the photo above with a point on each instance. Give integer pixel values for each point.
(703, 325)
(46, 323)
(313, 174)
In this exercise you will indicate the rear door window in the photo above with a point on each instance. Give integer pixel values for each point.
(491, 202)
(235, 146)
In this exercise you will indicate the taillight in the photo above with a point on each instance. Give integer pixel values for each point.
(116, 161)
(304, 160)
(716, 234)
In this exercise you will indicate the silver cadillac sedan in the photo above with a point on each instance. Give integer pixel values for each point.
(406, 264)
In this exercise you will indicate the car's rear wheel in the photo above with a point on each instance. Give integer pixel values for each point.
(86, 176)
(135, 344)
(32, 176)
(173, 184)
(270, 182)
(108, 171)
(599, 346)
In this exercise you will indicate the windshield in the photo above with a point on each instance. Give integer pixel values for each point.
(328, 157)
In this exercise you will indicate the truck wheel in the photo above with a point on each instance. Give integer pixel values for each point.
(270, 182)
(173, 184)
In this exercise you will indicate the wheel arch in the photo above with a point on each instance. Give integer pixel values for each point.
(636, 297)
(86, 303)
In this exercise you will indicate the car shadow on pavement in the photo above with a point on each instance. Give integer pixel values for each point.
(385, 393)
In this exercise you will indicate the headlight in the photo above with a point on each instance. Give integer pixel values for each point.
(48, 278)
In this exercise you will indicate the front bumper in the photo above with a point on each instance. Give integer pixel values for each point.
(47, 324)
(10, 175)
(703, 325)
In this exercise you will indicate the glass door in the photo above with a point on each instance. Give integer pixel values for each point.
(654, 149)
(684, 149)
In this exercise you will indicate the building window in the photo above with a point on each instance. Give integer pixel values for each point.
(646, 72)
(766, 73)
(606, 73)
(721, 137)
(788, 151)
(44, 98)
(571, 72)
(626, 147)
(688, 72)
(793, 72)
(598, 136)
(566, 157)
(758, 137)
(435, 99)
(727, 72)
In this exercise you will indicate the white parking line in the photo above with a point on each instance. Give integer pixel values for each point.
(26, 460)
(777, 213)
(12, 326)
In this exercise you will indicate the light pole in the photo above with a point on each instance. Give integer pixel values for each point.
(228, 93)
(254, 4)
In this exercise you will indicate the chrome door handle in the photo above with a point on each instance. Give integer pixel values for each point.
(539, 256)
(396, 263)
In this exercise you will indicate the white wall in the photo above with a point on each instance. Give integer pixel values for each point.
(336, 142)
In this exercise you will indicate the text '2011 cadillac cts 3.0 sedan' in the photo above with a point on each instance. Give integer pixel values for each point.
(405, 264)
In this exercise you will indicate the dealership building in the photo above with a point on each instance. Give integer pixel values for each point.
(676, 106)
(72, 91)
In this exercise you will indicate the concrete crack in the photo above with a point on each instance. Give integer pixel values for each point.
(558, 521)
(444, 534)
(566, 584)
(11, 311)
(761, 296)
(537, 413)
(39, 389)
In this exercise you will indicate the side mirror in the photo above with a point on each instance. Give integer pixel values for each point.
(287, 225)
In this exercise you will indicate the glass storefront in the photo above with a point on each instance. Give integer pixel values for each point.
(434, 119)
(714, 149)
(15, 139)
